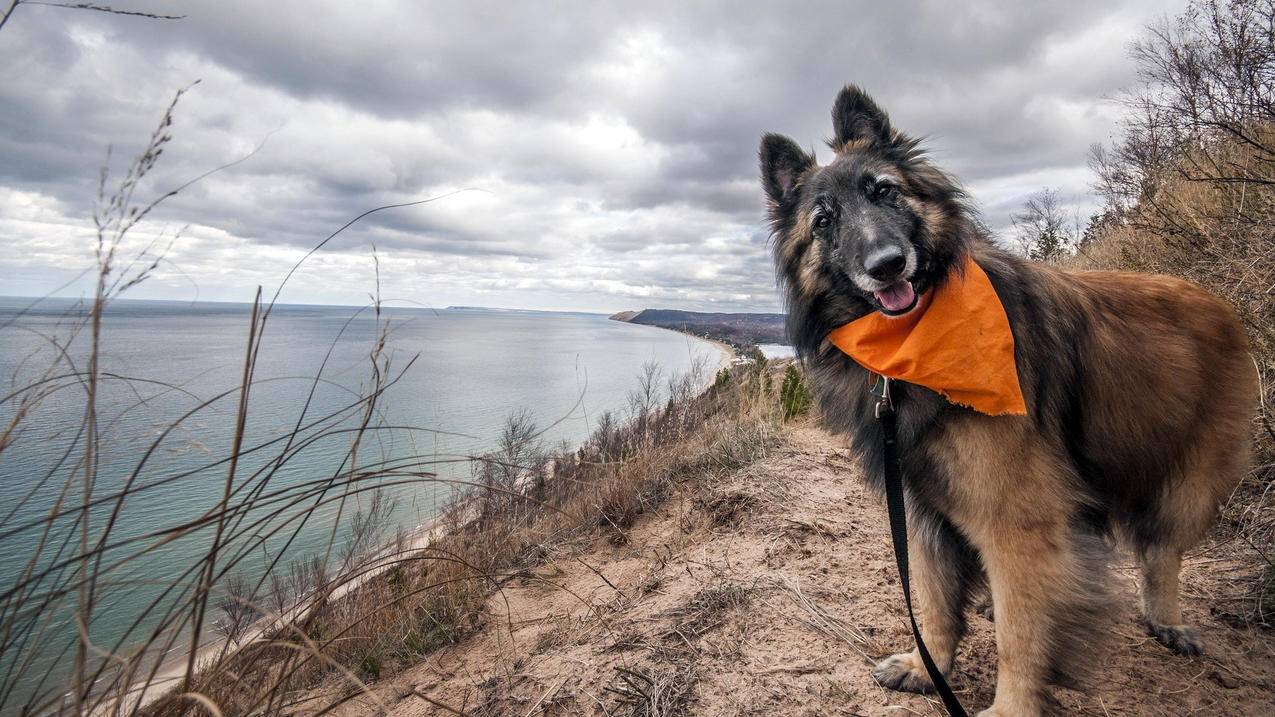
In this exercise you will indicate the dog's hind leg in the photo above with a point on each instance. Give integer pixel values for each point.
(1188, 499)
(1160, 610)
(1181, 517)
(944, 569)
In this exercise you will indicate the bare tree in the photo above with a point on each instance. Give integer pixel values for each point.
(518, 463)
(281, 593)
(1208, 75)
(1043, 228)
(367, 527)
(645, 399)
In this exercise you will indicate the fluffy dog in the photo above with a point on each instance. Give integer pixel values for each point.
(1139, 392)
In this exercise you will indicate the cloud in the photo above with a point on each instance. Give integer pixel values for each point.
(608, 151)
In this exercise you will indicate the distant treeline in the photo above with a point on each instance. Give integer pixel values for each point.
(740, 330)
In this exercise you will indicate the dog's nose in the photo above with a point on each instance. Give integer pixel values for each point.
(885, 264)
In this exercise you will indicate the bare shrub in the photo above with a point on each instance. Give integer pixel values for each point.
(236, 607)
(367, 529)
(662, 693)
(644, 400)
(518, 464)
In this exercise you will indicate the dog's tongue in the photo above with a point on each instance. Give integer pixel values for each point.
(897, 296)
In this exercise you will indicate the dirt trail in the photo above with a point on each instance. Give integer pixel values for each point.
(766, 592)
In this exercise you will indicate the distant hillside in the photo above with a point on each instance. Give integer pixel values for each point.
(739, 330)
(624, 315)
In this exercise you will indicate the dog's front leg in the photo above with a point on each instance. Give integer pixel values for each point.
(1029, 567)
(943, 568)
(1014, 500)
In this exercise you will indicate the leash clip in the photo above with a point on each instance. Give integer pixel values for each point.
(882, 391)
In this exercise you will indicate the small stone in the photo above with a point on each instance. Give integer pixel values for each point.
(1225, 679)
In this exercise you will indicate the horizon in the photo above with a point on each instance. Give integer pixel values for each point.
(391, 303)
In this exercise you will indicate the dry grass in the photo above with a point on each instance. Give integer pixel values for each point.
(665, 686)
(707, 609)
(663, 693)
(825, 623)
(761, 620)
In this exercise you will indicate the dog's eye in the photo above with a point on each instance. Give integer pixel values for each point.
(881, 191)
(822, 221)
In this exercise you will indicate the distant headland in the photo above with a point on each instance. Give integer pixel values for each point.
(743, 331)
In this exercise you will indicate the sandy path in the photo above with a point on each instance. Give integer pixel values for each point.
(767, 592)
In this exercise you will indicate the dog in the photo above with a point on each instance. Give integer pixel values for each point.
(1139, 392)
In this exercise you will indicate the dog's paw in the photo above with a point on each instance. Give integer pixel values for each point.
(903, 672)
(1182, 639)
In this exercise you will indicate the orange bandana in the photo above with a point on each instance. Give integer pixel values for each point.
(956, 342)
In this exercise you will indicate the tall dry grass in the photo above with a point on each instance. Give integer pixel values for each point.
(81, 552)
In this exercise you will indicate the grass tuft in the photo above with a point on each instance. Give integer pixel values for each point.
(664, 692)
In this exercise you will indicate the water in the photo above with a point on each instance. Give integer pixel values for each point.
(777, 351)
(469, 369)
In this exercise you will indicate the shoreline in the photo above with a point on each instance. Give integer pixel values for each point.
(728, 353)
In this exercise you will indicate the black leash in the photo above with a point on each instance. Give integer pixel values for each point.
(899, 533)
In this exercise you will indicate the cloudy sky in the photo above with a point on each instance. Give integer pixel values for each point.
(608, 150)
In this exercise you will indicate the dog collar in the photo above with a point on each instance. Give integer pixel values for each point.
(957, 343)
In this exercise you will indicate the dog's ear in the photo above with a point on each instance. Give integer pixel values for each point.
(856, 118)
(782, 165)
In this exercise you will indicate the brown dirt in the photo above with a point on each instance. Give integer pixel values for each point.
(766, 592)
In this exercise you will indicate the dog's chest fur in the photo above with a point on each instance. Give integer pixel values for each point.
(848, 408)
